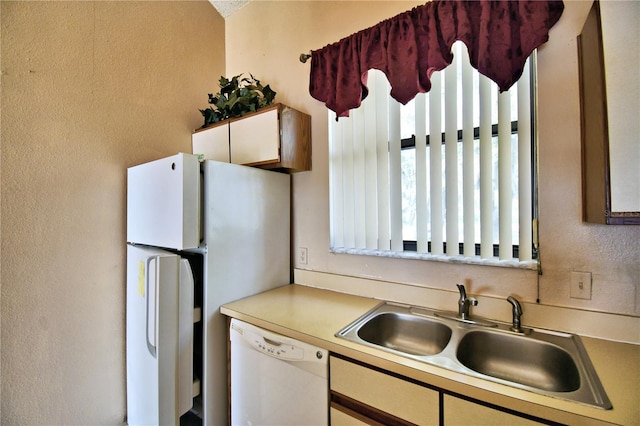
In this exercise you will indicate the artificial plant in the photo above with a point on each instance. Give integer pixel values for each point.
(237, 96)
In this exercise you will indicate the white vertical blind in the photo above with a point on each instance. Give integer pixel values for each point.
(435, 164)
(348, 185)
(371, 176)
(474, 190)
(505, 199)
(525, 238)
(395, 173)
(486, 169)
(422, 213)
(359, 179)
(468, 157)
(381, 87)
(335, 183)
(451, 155)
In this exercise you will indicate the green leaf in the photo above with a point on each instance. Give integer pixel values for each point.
(237, 96)
(269, 94)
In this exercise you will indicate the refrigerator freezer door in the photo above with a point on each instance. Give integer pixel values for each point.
(163, 203)
(154, 343)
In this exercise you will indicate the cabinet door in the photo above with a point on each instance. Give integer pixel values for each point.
(213, 143)
(392, 395)
(256, 139)
(459, 411)
(609, 111)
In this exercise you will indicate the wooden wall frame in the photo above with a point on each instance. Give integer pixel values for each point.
(596, 172)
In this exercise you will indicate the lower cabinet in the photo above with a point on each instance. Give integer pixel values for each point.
(364, 395)
(361, 395)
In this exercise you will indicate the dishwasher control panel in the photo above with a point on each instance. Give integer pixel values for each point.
(277, 349)
(275, 345)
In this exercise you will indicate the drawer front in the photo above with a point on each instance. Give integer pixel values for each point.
(400, 398)
(340, 418)
(458, 411)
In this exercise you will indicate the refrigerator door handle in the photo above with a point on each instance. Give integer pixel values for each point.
(150, 346)
(185, 337)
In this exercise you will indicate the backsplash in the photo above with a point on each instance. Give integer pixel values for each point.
(585, 323)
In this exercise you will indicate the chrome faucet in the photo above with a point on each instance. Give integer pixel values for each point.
(517, 313)
(464, 303)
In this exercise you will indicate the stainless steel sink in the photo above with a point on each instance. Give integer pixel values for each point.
(541, 361)
(410, 334)
(395, 328)
(519, 359)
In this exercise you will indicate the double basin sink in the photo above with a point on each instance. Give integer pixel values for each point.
(546, 362)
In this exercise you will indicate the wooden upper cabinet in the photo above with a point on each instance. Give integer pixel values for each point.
(609, 98)
(276, 137)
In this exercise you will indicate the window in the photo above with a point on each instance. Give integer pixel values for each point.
(449, 176)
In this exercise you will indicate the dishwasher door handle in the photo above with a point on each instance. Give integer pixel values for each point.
(271, 342)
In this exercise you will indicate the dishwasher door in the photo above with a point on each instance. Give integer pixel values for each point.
(276, 380)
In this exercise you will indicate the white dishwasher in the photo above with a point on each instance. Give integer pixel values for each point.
(276, 380)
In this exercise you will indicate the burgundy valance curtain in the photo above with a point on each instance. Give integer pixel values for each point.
(409, 47)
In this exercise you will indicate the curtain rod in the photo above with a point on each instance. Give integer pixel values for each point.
(304, 57)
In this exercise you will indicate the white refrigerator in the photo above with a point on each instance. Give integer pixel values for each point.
(199, 234)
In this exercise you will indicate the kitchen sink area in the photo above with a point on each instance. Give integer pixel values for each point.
(546, 362)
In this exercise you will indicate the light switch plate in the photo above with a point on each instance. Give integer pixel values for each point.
(303, 255)
(580, 285)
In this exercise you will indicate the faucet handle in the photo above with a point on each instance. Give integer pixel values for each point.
(464, 298)
(516, 313)
(465, 302)
(463, 292)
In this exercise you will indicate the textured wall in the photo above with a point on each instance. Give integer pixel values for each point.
(88, 89)
(273, 34)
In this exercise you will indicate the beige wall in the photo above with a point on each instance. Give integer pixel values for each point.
(88, 89)
(272, 34)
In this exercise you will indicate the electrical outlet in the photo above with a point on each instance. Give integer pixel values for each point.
(580, 285)
(303, 255)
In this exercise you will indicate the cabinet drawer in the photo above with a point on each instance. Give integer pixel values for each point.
(398, 397)
(458, 411)
(340, 418)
